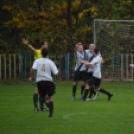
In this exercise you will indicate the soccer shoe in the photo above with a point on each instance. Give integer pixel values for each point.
(81, 96)
(73, 98)
(109, 97)
(88, 99)
(50, 117)
(95, 97)
(36, 110)
(43, 110)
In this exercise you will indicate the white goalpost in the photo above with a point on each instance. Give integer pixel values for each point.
(115, 39)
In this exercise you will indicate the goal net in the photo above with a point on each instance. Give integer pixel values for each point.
(115, 39)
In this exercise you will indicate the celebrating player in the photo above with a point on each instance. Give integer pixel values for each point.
(89, 74)
(44, 67)
(95, 80)
(37, 55)
(80, 69)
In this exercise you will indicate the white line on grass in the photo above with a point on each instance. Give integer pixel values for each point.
(70, 117)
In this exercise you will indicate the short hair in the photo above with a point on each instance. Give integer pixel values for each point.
(79, 43)
(44, 52)
(96, 50)
(41, 43)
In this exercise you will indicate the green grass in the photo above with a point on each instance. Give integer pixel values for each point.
(94, 117)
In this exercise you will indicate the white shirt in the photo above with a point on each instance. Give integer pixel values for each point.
(44, 67)
(96, 64)
(79, 58)
(89, 55)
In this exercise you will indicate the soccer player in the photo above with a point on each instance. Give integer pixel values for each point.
(80, 70)
(95, 80)
(44, 67)
(37, 55)
(89, 73)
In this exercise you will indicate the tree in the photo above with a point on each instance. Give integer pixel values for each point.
(61, 22)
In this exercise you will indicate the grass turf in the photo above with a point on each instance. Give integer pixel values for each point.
(95, 117)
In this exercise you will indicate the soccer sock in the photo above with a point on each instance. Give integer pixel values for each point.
(94, 92)
(104, 92)
(35, 100)
(82, 89)
(91, 92)
(85, 94)
(51, 107)
(41, 102)
(74, 90)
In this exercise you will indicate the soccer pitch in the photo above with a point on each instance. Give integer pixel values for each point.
(94, 117)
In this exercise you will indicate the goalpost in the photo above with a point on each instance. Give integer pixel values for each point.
(115, 39)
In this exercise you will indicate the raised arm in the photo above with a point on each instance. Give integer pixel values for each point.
(131, 65)
(26, 42)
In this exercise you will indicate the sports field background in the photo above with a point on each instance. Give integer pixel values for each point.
(94, 117)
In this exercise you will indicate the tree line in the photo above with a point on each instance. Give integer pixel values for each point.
(61, 23)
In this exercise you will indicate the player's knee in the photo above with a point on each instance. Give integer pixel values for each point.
(83, 83)
(87, 86)
(36, 91)
(97, 88)
(75, 83)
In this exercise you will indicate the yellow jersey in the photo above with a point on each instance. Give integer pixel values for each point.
(37, 54)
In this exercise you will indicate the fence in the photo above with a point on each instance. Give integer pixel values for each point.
(18, 66)
(14, 66)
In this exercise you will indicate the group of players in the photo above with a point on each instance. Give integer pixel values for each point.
(87, 70)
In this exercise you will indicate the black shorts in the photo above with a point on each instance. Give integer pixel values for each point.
(46, 88)
(94, 81)
(89, 75)
(80, 76)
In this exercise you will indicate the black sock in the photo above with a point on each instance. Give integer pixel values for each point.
(41, 102)
(82, 89)
(51, 107)
(91, 92)
(94, 92)
(74, 90)
(35, 100)
(85, 94)
(104, 92)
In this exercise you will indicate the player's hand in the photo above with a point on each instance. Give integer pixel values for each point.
(30, 78)
(130, 65)
(25, 41)
(82, 61)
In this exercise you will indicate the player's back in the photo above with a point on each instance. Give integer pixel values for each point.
(96, 64)
(44, 68)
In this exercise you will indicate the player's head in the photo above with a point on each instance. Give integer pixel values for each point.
(91, 47)
(80, 47)
(96, 51)
(44, 52)
(76, 46)
(43, 44)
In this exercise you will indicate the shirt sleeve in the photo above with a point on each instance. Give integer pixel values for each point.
(54, 68)
(34, 65)
(133, 65)
(94, 61)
